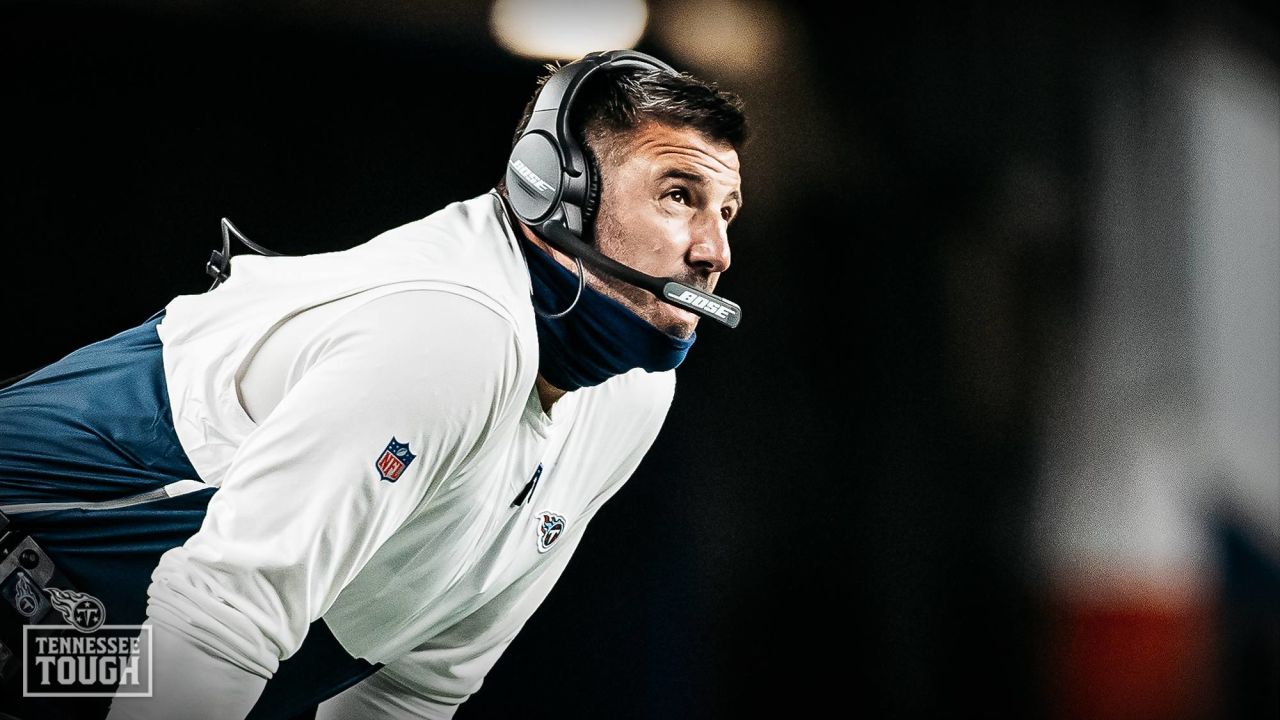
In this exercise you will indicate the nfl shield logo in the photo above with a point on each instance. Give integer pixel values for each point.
(550, 527)
(394, 460)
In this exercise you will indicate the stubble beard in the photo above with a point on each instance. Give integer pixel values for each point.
(608, 238)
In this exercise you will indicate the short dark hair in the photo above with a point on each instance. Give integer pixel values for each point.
(617, 101)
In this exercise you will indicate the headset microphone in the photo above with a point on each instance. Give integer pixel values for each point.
(553, 184)
(669, 289)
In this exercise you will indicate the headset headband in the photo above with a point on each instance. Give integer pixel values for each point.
(552, 110)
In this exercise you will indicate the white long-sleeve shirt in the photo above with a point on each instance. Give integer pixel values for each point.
(292, 381)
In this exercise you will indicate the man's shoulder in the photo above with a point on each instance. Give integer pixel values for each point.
(461, 221)
(398, 310)
(423, 325)
(464, 243)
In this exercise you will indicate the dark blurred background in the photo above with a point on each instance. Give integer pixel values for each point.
(996, 437)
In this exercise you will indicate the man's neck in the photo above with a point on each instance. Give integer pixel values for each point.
(548, 394)
(533, 238)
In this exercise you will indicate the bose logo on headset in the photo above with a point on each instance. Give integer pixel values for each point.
(533, 179)
(690, 298)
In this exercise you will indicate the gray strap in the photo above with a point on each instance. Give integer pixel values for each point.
(182, 487)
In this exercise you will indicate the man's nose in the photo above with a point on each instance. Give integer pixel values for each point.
(710, 248)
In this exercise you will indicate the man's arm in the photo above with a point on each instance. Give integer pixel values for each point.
(395, 400)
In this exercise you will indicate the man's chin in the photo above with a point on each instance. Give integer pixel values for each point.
(668, 318)
(683, 325)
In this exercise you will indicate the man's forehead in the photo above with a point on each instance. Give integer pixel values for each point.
(669, 145)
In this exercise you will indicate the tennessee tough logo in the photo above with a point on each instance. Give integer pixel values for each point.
(550, 528)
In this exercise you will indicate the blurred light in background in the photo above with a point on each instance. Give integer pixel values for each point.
(1160, 464)
(731, 38)
(1234, 267)
(567, 29)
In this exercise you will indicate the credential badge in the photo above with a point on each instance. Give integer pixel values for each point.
(393, 461)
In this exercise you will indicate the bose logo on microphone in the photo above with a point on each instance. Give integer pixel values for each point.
(689, 297)
(532, 178)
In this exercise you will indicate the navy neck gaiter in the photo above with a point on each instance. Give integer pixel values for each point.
(599, 338)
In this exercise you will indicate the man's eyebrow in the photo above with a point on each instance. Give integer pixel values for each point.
(696, 179)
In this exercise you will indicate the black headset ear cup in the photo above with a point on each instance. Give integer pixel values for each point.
(592, 202)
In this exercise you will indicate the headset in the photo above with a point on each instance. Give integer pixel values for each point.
(553, 184)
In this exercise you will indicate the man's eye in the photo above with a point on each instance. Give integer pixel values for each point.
(679, 193)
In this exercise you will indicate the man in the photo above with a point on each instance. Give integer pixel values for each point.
(350, 478)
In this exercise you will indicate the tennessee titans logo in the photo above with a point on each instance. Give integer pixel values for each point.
(549, 530)
(392, 462)
(84, 611)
